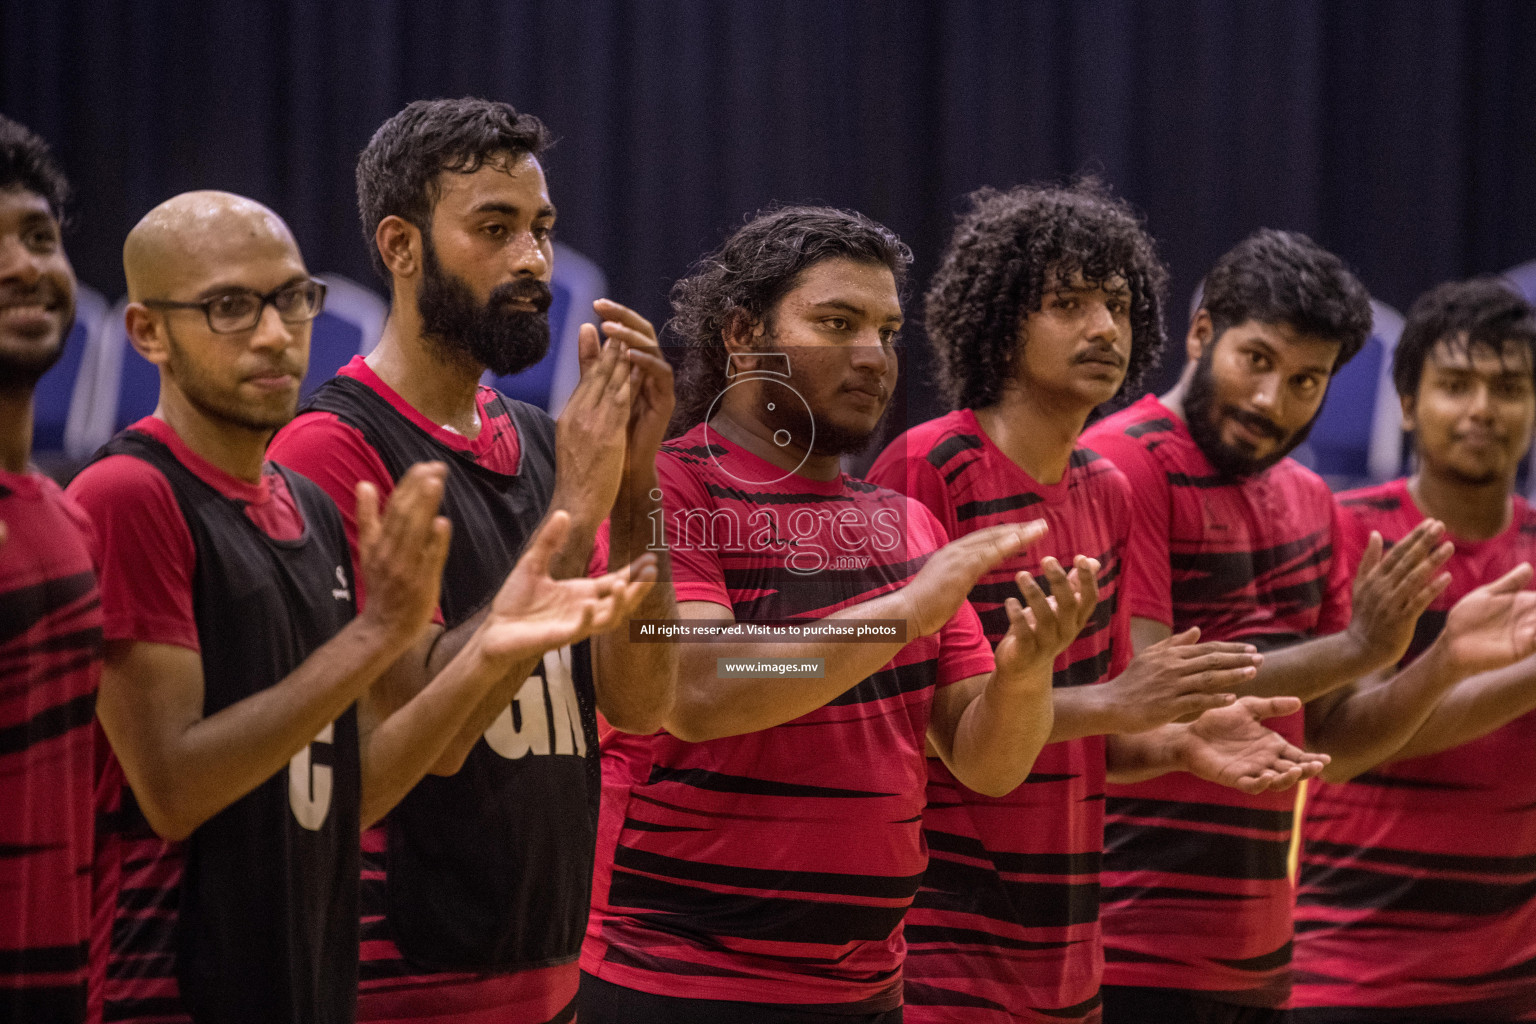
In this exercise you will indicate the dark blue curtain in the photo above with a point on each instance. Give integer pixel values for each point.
(1402, 134)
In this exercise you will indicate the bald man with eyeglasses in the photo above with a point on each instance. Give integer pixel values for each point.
(237, 666)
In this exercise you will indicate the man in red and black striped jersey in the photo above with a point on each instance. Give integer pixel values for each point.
(1047, 302)
(50, 621)
(458, 218)
(1230, 535)
(756, 858)
(244, 762)
(1417, 894)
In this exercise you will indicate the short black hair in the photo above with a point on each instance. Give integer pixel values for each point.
(747, 276)
(1006, 251)
(27, 162)
(397, 171)
(1481, 313)
(1283, 277)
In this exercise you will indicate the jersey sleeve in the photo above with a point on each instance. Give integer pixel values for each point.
(697, 574)
(963, 648)
(145, 550)
(1147, 579)
(916, 477)
(1349, 540)
(334, 455)
(1120, 504)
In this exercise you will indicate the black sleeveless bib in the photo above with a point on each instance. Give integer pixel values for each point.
(491, 869)
(267, 914)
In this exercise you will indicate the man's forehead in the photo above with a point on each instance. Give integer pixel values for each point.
(19, 202)
(1075, 281)
(498, 174)
(1460, 353)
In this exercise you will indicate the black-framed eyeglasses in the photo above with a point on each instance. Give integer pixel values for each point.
(240, 309)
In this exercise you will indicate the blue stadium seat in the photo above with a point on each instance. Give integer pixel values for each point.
(1358, 436)
(1523, 278)
(577, 283)
(351, 324)
(56, 392)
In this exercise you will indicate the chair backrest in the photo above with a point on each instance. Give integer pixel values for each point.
(577, 283)
(1523, 278)
(1358, 436)
(350, 325)
(55, 393)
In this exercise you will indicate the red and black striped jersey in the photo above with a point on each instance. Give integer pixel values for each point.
(1006, 925)
(1417, 895)
(50, 663)
(776, 866)
(1195, 889)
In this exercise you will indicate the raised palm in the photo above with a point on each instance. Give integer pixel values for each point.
(1232, 747)
(1494, 625)
(533, 612)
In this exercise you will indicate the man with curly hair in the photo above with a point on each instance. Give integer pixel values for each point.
(756, 858)
(1047, 302)
(1233, 537)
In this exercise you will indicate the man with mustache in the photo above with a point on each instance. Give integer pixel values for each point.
(475, 889)
(1046, 304)
(238, 680)
(50, 644)
(1415, 898)
(1231, 536)
(756, 858)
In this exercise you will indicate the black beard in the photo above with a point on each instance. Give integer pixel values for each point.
(1228, 460)
(505, 341)
(789, 413)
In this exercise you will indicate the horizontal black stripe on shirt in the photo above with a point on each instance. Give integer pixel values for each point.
(48, 723)
(809, 596)
(671, 908)
(765, 498)
(44, 959)
(1210, 575)
(1202, 854)
(24, 607)
(967, 889)
(1467, 863)
(890, 682)
(940, 935)
(831, 883)
(1111, 894)
(1380, 890)
(1023, 863)
(1084, 671)
(718, 782)
(1119, 955)
(678, 971)
(86, 640)
(1214, 814)
(37, 1003)
(1205, 483)
(919, 993)
(1385, 781)
(1158, 426)
(951, 446)
(1274, 959)
(1524, 969)
(11, 851)
(995, 506)
(1381, 503)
